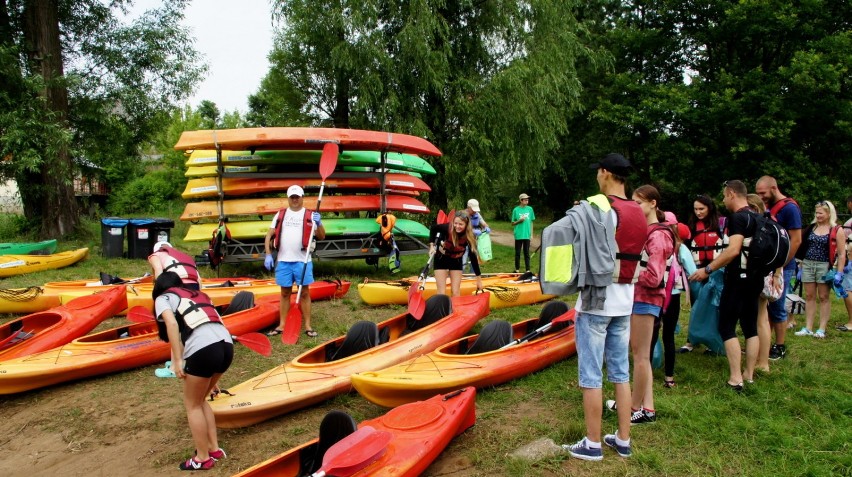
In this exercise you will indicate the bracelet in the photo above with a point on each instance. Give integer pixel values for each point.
(708, 270)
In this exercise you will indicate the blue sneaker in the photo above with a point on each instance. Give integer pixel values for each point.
(581, 450)
(623, 451)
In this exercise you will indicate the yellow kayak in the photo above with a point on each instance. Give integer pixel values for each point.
(19, 264)
(396, 292)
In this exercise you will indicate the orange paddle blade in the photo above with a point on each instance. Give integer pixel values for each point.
(256, 342)
(416, 303)
(292, 325)
(354, 452)
(328, 160)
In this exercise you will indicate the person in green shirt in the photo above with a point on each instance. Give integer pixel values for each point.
(522, 219)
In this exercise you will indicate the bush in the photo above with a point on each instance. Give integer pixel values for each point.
(146, 194)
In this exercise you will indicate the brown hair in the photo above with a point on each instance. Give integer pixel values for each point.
(648, 193)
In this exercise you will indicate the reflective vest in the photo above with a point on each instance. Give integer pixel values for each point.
(173, 260)
(306, 228)
(194, 309)
(704, 244)
(630, 236)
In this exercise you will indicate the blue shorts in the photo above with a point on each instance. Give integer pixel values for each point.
(777, 308)
(599, 338)
(847, 282)
(641, 308)
(289, 273)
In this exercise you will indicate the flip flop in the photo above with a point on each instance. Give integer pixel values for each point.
(843, 328)
(311, 333)
(275, 332)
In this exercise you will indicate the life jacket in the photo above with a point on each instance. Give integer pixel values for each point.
(704, 244)
(832, 243)
(630, 236)
(776, 207)
(306, 228)
(447, 248)
(218, 244)
(173, 260)
(194, 309)
(643, 262)
(386, 223)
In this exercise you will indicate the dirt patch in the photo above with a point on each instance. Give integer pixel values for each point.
(508, 240)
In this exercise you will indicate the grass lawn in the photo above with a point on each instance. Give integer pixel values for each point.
(793, 421)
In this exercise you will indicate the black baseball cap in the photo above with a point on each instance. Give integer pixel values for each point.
(613, 162)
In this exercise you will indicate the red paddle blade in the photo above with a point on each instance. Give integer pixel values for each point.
(292, 325)
(442, 217)
(450, 217)
(256, 342)
(354, 452)
(328, 160)
(567, 316)
(140, 314)
(416, 303)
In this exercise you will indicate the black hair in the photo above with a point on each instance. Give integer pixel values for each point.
(165, 281)
(712, 219)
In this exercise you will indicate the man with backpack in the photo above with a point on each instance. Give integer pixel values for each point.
(742, 288)
(786, 212)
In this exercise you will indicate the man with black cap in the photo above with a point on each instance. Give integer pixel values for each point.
(522, 219)
(603, 332)
(289, 233)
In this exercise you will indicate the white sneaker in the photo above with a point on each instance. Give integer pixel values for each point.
(819, 334)
(804, 332)
(610, 404)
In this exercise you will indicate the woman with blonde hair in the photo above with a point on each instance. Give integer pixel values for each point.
(764, 332)
(821, 242)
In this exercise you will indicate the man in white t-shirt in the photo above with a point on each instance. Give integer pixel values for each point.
(289, 234)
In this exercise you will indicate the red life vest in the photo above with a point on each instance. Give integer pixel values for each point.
(173, 260)
(306, 228)
(704, 244)
(630, 236)
(832, 244)
(776, 207)
(194, 309)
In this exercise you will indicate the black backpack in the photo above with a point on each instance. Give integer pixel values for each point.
(769, 246)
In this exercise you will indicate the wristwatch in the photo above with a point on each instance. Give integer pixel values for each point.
(708, 270)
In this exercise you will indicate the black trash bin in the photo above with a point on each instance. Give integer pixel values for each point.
(162, 230)
(112, 236)
(140, 238)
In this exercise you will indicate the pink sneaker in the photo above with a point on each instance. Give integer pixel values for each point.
(193, 464)
(218, 454)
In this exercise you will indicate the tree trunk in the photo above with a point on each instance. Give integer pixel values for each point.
(49, 194)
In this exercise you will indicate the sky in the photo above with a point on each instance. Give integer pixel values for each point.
(235, 37)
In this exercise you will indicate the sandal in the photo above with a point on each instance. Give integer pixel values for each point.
(736, 387)
(669, 384)
(685, 349)
(311, 333)
(843, 328)
(275, 332)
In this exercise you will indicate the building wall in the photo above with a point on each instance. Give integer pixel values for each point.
(10, 199)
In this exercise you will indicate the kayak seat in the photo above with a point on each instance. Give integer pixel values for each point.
(437, 307)
(494, 336)
(241, 301)
(363, 335)
(334, 426)
(550, 311)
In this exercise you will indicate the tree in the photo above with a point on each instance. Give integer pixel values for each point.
(466, 75)
(79, 83)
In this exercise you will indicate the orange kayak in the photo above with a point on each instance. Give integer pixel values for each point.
(45, 330)
(209, 209)
(323, 372)
(126, 347)
(421, 430)
(304, 138)
(448, 367)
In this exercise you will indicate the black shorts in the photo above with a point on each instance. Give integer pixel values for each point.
(209, 360)
(443, 262)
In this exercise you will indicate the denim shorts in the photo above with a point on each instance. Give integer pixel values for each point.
(778, 309)
(813, 271)
(288, 273)
(847, 282)
(600, 337)
(641, 308)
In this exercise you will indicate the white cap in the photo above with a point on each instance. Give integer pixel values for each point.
(159, 245)
(295, 190)
(473, 204)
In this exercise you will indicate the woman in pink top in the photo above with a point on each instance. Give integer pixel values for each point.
(648, 297)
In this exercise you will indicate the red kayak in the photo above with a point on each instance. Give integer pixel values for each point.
(48, 329)
(419, 433)
(304, 139)
(126, 347)
(209, 209)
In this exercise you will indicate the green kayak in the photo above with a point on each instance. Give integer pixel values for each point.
(394, 161)
(334, 229)
(46, 247)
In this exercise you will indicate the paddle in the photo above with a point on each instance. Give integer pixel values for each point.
(567, 316)
(293, 323)
(416, 303)
(354, 452)
(256, 342)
